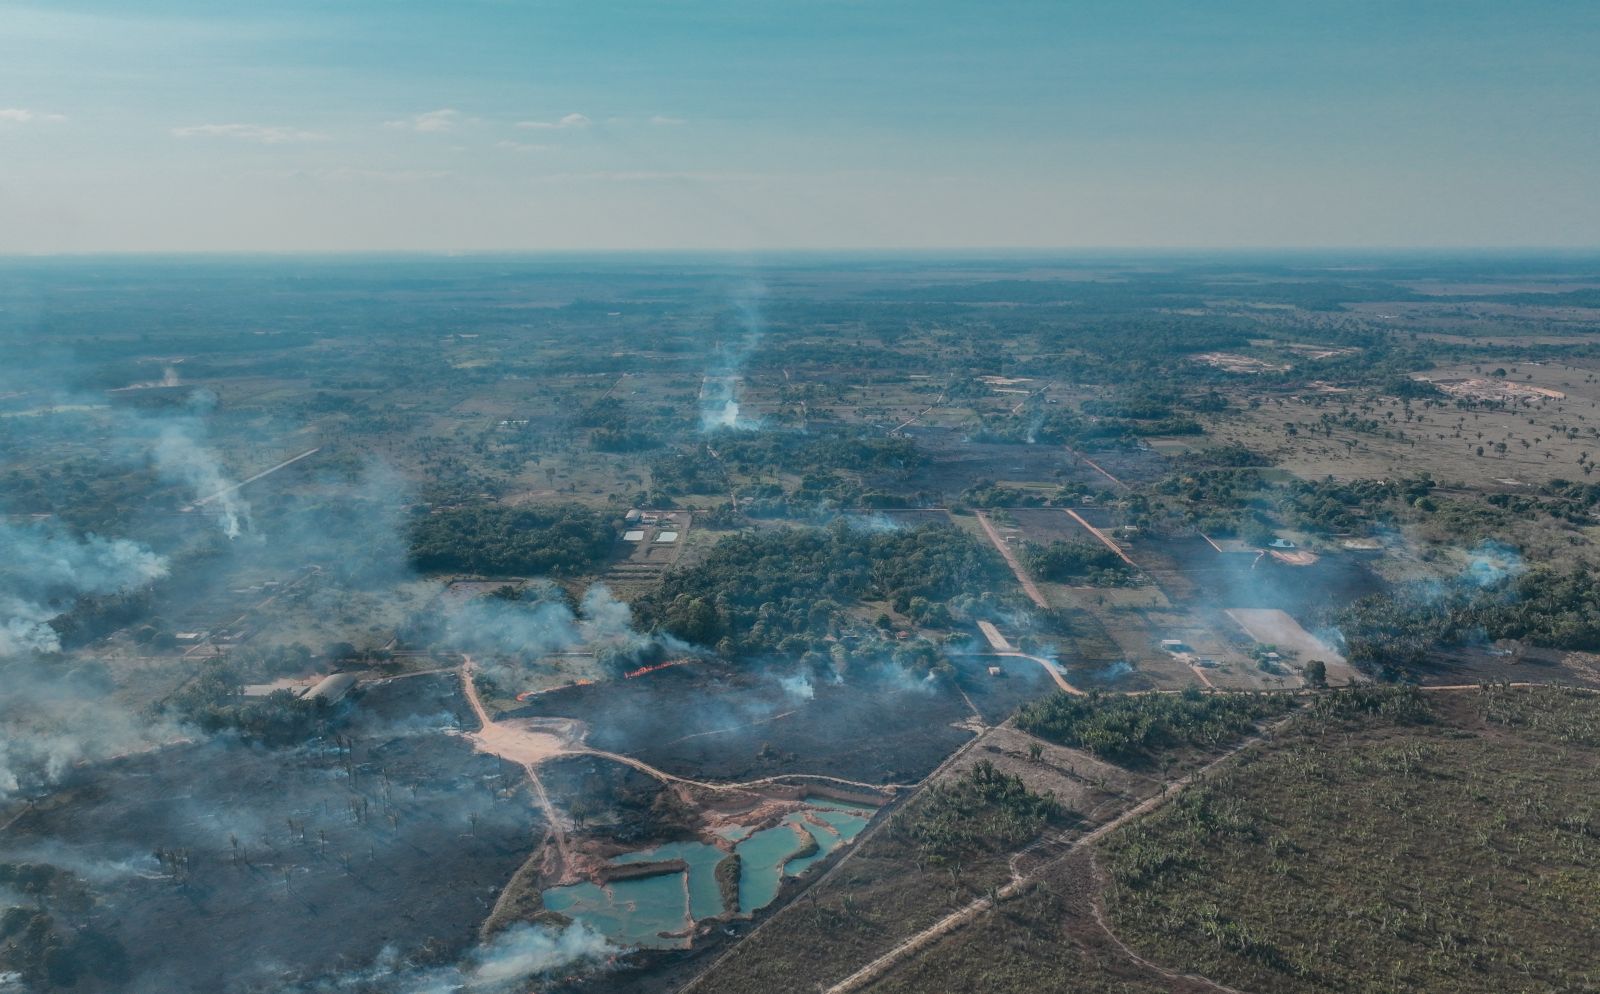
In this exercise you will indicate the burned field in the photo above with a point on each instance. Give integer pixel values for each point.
(711, 722)
(956, 461)
(219, 866)
(775, 597)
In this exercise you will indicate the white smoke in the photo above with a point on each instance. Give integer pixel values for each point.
(45, 569)
(1490, 563)
(877, 521)
(181, 458)
(712, 416)
(719, 403)
(51, 722)
(507, 963)
(512, 635)
(798, 686)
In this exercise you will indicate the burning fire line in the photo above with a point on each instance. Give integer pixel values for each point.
(641, 671)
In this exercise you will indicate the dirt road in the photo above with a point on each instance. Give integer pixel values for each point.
(1028, 586)
(1102, 536)
(1093, 465)
(956, 919)
(521, 746)
(202, 502)
(1051, 668)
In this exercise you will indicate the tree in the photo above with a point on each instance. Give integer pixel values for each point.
(1316, 673)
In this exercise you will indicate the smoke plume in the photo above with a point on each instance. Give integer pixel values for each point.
(182, 459)
(507, 963)
(719, 402)
(44, 570)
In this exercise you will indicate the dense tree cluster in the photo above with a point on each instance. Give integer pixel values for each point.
(1133, 729)
(213, 702)
(512, 541)
(852, 450)
(1077, 562)
(1558, 608)
(784, 587)
(984, 810)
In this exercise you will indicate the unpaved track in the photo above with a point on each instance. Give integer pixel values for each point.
(1093, 465)
(956, 919)
(872, 829)
(908, 422)
(202, 502)
(529, 748)
(1028, 586)
(665, 777)
(1051, 668)
(1097, 908)
(490, 735)
(1102, 536)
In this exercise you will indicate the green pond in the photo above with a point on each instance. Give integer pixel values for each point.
(629, 911)
(761, 859)
(844, 827)
(705, 900)
(635, 912)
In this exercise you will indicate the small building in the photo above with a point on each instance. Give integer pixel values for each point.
(1174, 645)
(635, 535)
(190, 637)
(1281, 543)
(995, 671)
(632, 515)
(667, 537)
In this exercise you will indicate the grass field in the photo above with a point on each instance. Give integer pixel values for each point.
(1458, 852)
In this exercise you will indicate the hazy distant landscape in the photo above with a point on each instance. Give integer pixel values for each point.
(638, 623)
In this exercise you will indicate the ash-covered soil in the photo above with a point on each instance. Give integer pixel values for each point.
(221, 867)
(712, 722)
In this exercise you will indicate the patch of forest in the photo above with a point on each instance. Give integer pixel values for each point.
(512, 541)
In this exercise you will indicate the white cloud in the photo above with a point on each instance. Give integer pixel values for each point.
(444, 119)
(662, 120)
(260, 134)
(523, 147)
(570, 121)
(22, 115)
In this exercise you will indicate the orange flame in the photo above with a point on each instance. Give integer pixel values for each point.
(651, 669)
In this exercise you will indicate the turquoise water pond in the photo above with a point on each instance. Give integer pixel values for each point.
(636, 912)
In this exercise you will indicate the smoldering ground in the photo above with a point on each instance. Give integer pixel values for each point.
(285, 865)
(44, 569)
(505, 964)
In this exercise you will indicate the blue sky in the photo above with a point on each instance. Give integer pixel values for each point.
(585, 124)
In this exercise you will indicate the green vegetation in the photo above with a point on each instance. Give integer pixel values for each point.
(784, 588)
(983, 810)
(727, 873)
(1078, 562)
(1556, 607)
(510, 541)
(1135, 730)
(212, 702)
(1456, 854)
